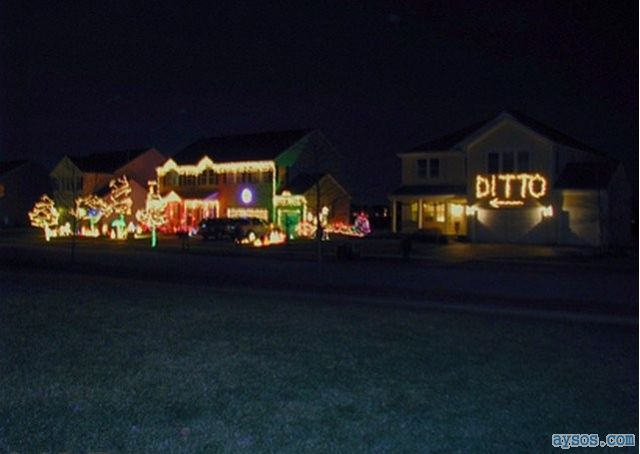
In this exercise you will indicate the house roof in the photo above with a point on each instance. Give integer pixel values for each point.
(430, 189)
(7, 166)
(303, 182)
(262, 146)
(586, 175)
(106, 162)
(449, 141)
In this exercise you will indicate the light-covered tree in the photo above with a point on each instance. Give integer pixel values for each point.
(91, 208)
(44, 215)
(120, 203)
(153, 214)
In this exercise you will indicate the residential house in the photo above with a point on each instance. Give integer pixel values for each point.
(22, 182)
(252, 175)
(77, 176)
(513, 179)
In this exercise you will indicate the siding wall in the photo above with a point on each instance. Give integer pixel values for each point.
(333, 197)
(452, 168)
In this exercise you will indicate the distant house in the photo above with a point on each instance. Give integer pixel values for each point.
(74, 176)
(325, 188)
(513, 179)
(21, 184)
(265, 175)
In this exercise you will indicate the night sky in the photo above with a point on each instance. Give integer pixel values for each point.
(376, 77)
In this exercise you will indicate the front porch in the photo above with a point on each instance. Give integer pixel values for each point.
(442, 214)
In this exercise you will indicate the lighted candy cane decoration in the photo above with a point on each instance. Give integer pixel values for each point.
(44, 215)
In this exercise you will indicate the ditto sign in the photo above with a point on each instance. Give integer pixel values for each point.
(510, 189)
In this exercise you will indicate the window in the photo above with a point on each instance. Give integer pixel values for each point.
(434, 168)
(202, 179)
(433, 212)
(414, 211)
(267, 176)
(440, 208)
(508, 162)
(181, 180)
(224, 178)
(422, 168)
(493, 163)
(523, 161)
(428, 211)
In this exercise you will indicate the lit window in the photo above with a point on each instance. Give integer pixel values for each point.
(428, 212)
(440, 208)
(414, 211)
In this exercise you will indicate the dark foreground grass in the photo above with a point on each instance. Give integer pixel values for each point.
(109, 365)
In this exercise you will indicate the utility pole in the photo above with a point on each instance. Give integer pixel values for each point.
(318, 225)
(74, 215)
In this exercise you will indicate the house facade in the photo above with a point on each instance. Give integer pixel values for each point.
(21, 184)
(249, 176)
(76, 176)
(512, 179)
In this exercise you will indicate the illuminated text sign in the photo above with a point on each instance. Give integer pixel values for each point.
(510, 189)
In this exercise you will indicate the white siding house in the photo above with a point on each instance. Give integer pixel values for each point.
(513, 179)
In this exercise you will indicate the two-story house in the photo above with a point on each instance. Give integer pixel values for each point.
(513, 179)
(252, 175)
(76, 176)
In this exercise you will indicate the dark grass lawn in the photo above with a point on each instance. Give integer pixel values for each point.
(91, 364)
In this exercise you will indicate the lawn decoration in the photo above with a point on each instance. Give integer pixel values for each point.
(44, 215)
(153, 215)
(91, 208)
(120, 203)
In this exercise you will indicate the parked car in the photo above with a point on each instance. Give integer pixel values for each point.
(218, 228)
(250, 229)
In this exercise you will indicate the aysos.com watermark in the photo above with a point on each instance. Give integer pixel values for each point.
(568, 441)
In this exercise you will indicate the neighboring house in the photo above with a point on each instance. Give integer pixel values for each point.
(77, 176)
(325, 188)
(513, 179)
(249, 176)
(21, 184)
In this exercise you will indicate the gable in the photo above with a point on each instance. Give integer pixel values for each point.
(506, 134)
(65, 167)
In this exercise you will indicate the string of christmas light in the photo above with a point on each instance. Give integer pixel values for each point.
(44, 215)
